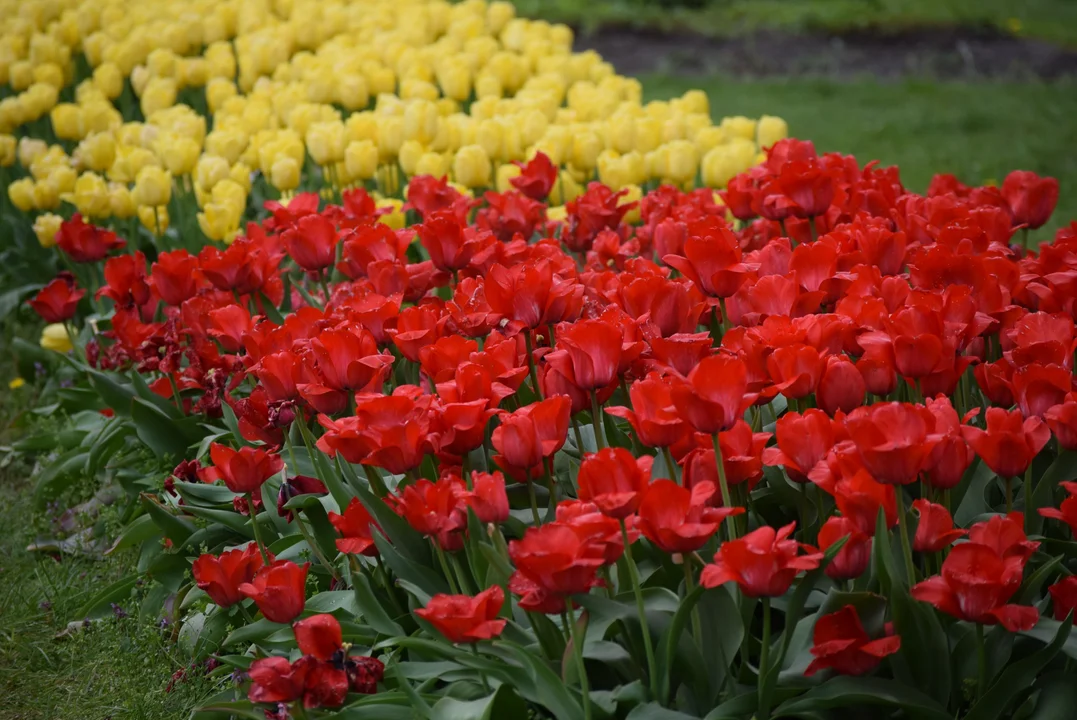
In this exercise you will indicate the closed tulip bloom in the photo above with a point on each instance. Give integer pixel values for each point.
(57, 301)
(715, 394)
(854, 556)
(488, 498)
(532, 433)
(349, 360)
(1039, 388)
(1010, 442)
(220, 576)
(1031, 198)
(895, 440)
(841, 387)
(614, 480)
(559, 558)
(763, 563)
(356, 528)
(46, 228)
(935, 530)
(125, 280)
(279, 590)
(653, 415)
(312, 243)
(471, 166)
(153, 187)
(678, 519)
(86, 243)
(464, 619)
(243, 470)
(175, 276)
(319, 635)
(435, 509)
(840, 643)
(803, 442)
(591, 353)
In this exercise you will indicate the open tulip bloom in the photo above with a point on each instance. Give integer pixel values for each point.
(465, 419)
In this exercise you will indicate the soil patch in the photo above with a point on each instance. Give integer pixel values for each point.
(951, 53)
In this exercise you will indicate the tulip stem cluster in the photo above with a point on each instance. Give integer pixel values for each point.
(723, 483)
(903, 527)
(648, 646)
(764, 664)
(577, 651)
(257, 531)
(599, 426)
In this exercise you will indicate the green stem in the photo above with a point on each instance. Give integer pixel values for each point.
(671, 466)
(1009, 495)
(465, 584)
(578, 435)
(532, 371)
(648, 646)
(903, 527)
(727, 499)
(257, 533)
(1028, 497)
(981, 662)
(534, 501)
(314, 546)
(577, 650)
(445, 567)
(596, 417)
(764, 662)
(482, 676)
(689, 585)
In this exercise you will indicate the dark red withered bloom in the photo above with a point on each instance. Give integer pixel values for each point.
(678, 519)
(1031, 198)
(531, 434)
(536, 178)
(319, 635)
(312, 242)
(715, 395)
(465, 619)
(854, 556)
(763, 563)
(935, 530)
(1010, 442)
(614, 480)
(85, 243)
(895, 440)
(1067, 511)
(175, 276)
(125, 280)
(221, 575)
(294, 487)
(279, 590)
(803, 442)
(653, 415)
(57, 301)
(356, 528)
(243, 470)
(840, 643)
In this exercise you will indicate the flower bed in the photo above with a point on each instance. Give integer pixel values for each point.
(798, 448)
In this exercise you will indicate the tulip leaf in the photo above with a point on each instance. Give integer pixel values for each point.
(142, 390)
(407, 543)
(119, 590)
(502, 703)
(604, 611)
(923, 642)
(723, 629)
(113, 394)
(973, 500)
(1046, 630)
(421, 576)
(174, 528)
(224, 709)
(370, 609)
(1030, 589)
(1064, 467)
(163, 435)
(59, 475)
(654, 711)
(228, 518)
(138, 531)
(848, 692)
(743, 706)
(198, 493)
(255, 632)
(1057, 697)
(1017, 678)
(668, 644)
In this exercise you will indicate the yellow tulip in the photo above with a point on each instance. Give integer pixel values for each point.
(361, 159)
(228, 143)
(739, 126)
(7, 150)
(432, 163)
(179, 154)
(284, 174)
(723, 162)
(635, 192)
(46, 226)
(218, 91)
(154, 219)
(770, 130)
(504, 174)
(120, 202)
(682, 162)
(395, 217)
(90, 196)
(97, 151)
(211, 169)
(471, 166)
(47, 195)
(410, 152)
(67, 121)
(153, 187)
(54, 337)
(219, 221)
(325, 142)
(159, 93)
(353, 91)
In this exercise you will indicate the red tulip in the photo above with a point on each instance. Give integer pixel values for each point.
(312, 242)
(435, 509)
(243, 470)
(57, 301)
(461, 427)
(715, 394)
(1042, 338)
(533, 597)
(279, 590)
(679, 520)
(711, 260)
(854, 556)
(1064, 596)
(488, 498)
(356, 529)
(228, 325)
(175, 276)
(840, 643)
(803, 442)
(1038, 388)
(653, 415)
(536, 178)
(558, 558)
(593, 526)
(591, 353)
(125, 280)
(742, 458)
(349, 360)
(390, 432)
(451, 244)
(86, 243)
(952, 455)
(841, 386)
(856, 493)
(975, 585)
(1067, 511)
(936, 528)
(531, 434)
(614, 480)
(319, 635)
(440, 359)
(273, 680)
(1005, 534)
(763, 563)
(894, 440)
(220, 576)
(245, 267)
(1062, 420)
(1031, 198)
(801, 190)
(597, 209)
(670, 306)
(532, 295)
(463, 619)
(428, 194)
(1009, 444)
(995, 383)
(510, 214)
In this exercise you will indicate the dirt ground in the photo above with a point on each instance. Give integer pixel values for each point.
(942, 53)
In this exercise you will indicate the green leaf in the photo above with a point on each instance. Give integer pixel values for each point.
(408, 543)
(161, 434)
(253, 633)
(1047, 629)
(430, 582)
(845, 692)
(668, 645)
(973, 501)
(116, 396)
(1064, 467)
(1017, 678)
(138, 531)
(654, 711)
(549, 691)
(324, 534)
(174, 528)
(14, 297)
(142, 390)
(1057, 697)
(119, 590)
(331, 601)
(371, 610)
(59, 475)
(199, 493)
(923, 643)
(502, 703)
(228, 518)
(1030, 589)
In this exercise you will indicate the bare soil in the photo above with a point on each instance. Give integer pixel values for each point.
(945, 53)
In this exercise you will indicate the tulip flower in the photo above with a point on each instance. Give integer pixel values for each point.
(243, 470)
(841, 387)
(1038, 388)
(319, 635)
(221, 576)
(356, 528)
(1064, 596)
(854, 556)
(463, 619)
(279, 590)
(536, 178)
(531, 434)
(714, 396)
(57, 301)
(558, 558)
(1031, 198)
(614, 480)
(803, 442)
(312, 242)
(1067, 511)
(678, 519)
(652, 415)
(763, 563)
(86, 243)
(840, 643)
(435, 509)
(1009, 444)
(273, 680)
(1062, 420)
(935, 530)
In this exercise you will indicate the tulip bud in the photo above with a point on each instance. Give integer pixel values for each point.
(46, 226)
(681, 162)
(353, 92)
(284, 174)
(47, 195)
(432, 163)
(67, 121)
(211, 169)
(159, 93)
(91, 196)
(504, 174)
(120, 202)
(325, 142)
(54, 337)
(725, 161)
(395, 218)
(21, 194)
(770, 130)
(7, 150)
(361, 159)
(108, 79)
(841, 387)
(410, 152)
(179, 154)
(153, 187)
(97, 152)
(471, 166)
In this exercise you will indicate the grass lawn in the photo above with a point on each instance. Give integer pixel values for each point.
(1053, 20)
(977, 131)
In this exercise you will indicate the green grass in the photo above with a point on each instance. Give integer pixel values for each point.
(1054, 20)
(977, 131)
